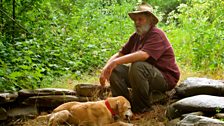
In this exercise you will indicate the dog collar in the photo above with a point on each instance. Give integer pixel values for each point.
(109, 108)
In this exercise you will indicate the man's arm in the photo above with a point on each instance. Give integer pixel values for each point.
(132, 57)
(116, 55)
(105, 71)
(119, 58)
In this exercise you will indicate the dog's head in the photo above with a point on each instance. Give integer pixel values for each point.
(122, 106)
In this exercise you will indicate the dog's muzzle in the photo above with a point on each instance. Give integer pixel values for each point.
(128, 115)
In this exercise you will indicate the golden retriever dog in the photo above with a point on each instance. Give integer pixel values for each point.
(98, 113)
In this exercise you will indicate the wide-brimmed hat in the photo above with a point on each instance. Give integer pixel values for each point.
(144, 8)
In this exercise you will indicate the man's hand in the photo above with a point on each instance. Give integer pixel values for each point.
(119, 58)
(106, 72)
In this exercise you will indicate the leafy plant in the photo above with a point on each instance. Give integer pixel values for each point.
(66, 37)
(70, 37)
(196, 28)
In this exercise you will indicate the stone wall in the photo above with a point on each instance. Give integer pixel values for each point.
(198, 102)
(195, 102)
(26, 104)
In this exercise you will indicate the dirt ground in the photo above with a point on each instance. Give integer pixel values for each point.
(156, 117)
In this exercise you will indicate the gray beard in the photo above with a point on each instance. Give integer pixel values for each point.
(140, 30)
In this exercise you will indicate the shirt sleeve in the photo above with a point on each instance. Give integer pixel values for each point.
(155, 46)
(126, 49)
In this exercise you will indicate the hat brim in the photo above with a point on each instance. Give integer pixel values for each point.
(155, 20)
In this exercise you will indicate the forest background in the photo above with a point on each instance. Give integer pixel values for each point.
(47, 41)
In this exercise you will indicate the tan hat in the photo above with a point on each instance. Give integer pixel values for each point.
(144, 8)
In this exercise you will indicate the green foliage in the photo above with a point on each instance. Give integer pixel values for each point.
(197, 30)
(67, 37)
(165, 5)
(218, 110)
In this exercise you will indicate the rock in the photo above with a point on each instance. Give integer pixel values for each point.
(8, 97)
(196, 86)
(194, 113)
(45, 91)
(219, 115)
(172, 113)
(87, 90)
(3, 114)
(193, 120)
(53, 100)
(91, 90)
(204, 103)
(23, 111)
(173, 122)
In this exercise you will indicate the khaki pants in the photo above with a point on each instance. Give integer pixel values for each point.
(142, 78)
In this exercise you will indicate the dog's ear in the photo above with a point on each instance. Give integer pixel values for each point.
(119, 107)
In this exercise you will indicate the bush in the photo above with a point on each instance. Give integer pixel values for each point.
(65, 37)
(73, 37)
(197, 32)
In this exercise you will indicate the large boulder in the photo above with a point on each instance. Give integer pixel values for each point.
(22, 111)
(26, 93)
(204, 103)
(53, 100)
(45, 91)
(196, 86)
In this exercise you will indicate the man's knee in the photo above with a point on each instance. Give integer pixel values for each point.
(137, 65)
(140, 68)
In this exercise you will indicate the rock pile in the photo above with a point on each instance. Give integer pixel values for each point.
(30, 103)
(199, 102)
(195, 102)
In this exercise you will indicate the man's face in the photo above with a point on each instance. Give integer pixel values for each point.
(142, 23)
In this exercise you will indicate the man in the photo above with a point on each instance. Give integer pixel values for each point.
(151, 58)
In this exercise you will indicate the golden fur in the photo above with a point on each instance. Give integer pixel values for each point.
(91, 113)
